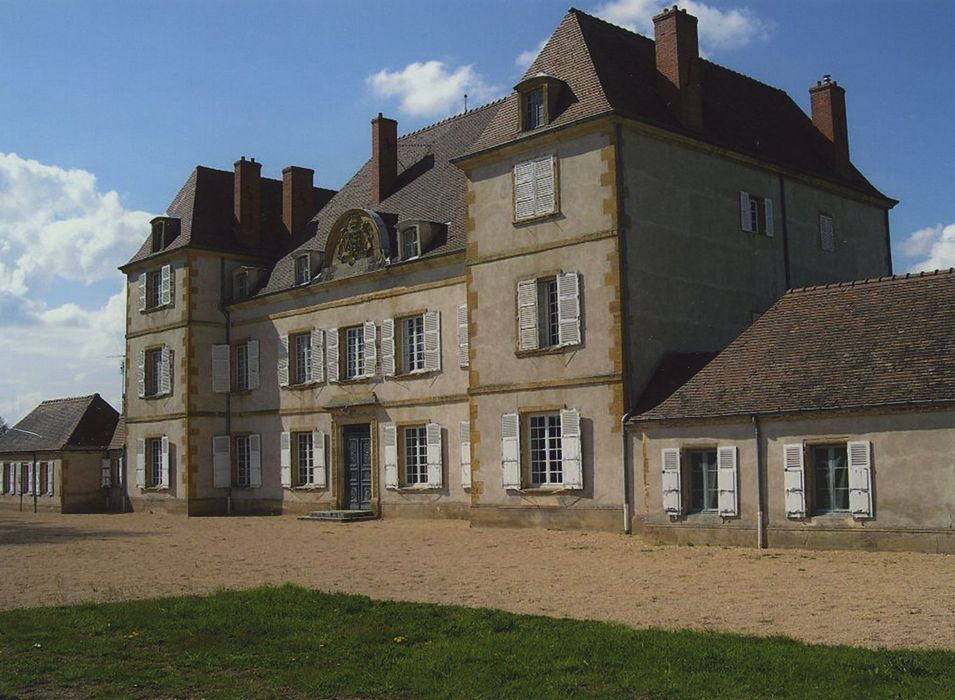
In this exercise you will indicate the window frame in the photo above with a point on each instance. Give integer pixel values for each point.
(238, 441)
(302, 272)
(240, 367)
(827, 236)
(550, 466)
(152, 386)
(548, 313)
(353, 359)
(705, 488)
(555, 193)
(414, 458)
(404, 238)
(301, 358)
(154, 466)
(153, 289)
(534, 116)
(815, 480)
(412, 343)
(303, 462)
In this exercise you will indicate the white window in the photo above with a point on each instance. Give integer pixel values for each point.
(154, 371)
(354, 352)
(548, 312)
(830, 478)
(756, 214)
(304, 459)
(301, 358)
(419, 450)
(546, 456)
(240, 379)
(827, 235)
(534, 112)
(410, 243)
(412, 344)
(839, 476)
(415, 445)
(155, 472)
(247, 467)
(303, 269)
(703, 478)
(535, 188)
(553, 457)
(241, 288)
(155, 288)
(700, 480)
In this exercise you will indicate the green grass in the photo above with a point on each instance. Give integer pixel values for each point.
(293, 642)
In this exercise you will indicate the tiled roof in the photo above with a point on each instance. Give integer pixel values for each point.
(118, 441)
(610, 70)
(882, 342)
(85, 422)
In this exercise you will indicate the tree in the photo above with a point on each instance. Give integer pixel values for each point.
(3, 426)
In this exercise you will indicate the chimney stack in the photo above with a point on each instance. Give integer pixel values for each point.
(298, 198)
(248, 201)
(384, 157)
(677, 54)
(829, 117)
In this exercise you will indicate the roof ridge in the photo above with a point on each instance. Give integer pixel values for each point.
(873, 280)
(459, 115)
(89, 397)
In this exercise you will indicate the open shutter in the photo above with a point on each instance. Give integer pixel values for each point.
(164, 463)
(165, 285)
(432, 341)
(672, 495)
(255, 461)
(463, 343)
(726, 481)
(331, 342)
(465, 437)
(860, 479)
(370, 339)
(141, 463)
(528, 338)
(317, 368)
(282, 365)
(252, 363)
(768, 204)
(31, 478)
(105, 473)
(524, 190)
(388, 347)
(391, 456)
(143, 281)
(319, 467)
(570, 447)
(165, 371)
(285, 458)
(545, 197)
(795, 481)
(435, 456)
(745, 217)
(220, 369)
(221, 461)
(511, 450)
(568, 308)
(141, 374)
(50, 473)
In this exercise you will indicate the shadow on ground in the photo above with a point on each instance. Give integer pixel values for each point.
(18, 532)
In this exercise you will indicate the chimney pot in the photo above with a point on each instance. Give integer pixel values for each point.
(384, 157)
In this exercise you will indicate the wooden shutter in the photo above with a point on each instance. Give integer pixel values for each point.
(524, 190)
(252, 363)
(141, 463)
(568, 308)
(794, 480)
(221, 369)
(570, 447)
(141, 373)
(432, 341)
(511, 450)
(391, 456)
(317, 370)
(255, 461)
(435, 456)
(465, 438)
(50, 475)
(388, 347)
(745, 217)
(331, 351)
(221, 461)
(768, 211)
(672, 493)
(165, 370)
(545, 197)
(143, 281)
(285, 458)
(463, 342)
(860, 479)
(726, 480)
(319, 466)
(528, 337)
(164, 462)
(370, 339)
(282, 364)
(165, 285)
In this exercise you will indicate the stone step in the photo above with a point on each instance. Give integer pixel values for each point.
(339, 516)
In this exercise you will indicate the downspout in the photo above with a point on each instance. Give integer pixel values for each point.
(760, 527)
(782, 212)
(625, 323)
(228, 396)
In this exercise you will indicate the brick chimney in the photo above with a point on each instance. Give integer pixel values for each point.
(384, 157)
(298, 198)
(829, 117)
(248, 201)
(678, 69)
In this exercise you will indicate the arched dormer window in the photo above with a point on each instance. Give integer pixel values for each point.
(164, 231)
(539, 96)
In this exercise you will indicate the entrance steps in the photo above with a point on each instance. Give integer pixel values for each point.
(340, 516)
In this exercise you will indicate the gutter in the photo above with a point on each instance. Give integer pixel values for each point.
(228, 397)
(624, 324)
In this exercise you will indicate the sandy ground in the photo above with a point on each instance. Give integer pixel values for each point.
(858, 598)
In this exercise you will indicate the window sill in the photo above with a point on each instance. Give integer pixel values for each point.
(536, 219)
(356, 380)
(306, 488)
(550, 489)
(150, 397)
(300, 386)
(553, 350)
(414, 374)
(161, 307)
(155, 489)
(417, 488)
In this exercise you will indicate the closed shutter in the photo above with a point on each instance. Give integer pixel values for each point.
(745, 217)
(319, 466)
(317, 368)
(331, 342)
(528, 337)
(826, 233)
(141, 463)
(285, 458)
(50, 474)
(164, 462)
(860, 479)
(221, 369)
(794, 481)
(726, 481)
(165, 286)
(31, 478)
(524, 190)
(105, 473)
(432, 341)
(221, 461)
(570, 448)
(568, 308)
(141, 374)
(120, 471)
(511, 450)
(391, 456)
(255, 461)
(165, 371)
(545, 198)
(435, 455)
(463, 342)
(388, 347)
(282, 365)
(370, 338)
(465, 438)
(143, 281)
(672, 494)
(252, 371)
(768, 204)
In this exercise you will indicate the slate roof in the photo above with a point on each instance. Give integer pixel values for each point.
(610, 70)
(881, 342)
(83, 422)
(118, 441)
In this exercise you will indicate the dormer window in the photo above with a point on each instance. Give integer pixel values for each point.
(534, 112)
(303, 269)
(410, 243)
(164, 230)
(539, 100)
(241, 284)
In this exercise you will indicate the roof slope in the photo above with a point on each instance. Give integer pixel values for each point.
(610, 70)
(859, 344)
(84, 422)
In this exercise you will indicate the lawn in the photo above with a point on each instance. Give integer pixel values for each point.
(294, 642)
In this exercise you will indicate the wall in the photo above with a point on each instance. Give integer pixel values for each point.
(76, 485)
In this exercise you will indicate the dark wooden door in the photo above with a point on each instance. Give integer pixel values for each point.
(357, 467)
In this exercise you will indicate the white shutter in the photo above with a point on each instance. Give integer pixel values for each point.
(388, 347)
(370, 338)
(165, 286)
(319, 467)
(31, 478)
(221, 461)
(282, 365)
(165, 371)
(570, 447)
(463, 342)
(331, 350)
(143, 280)
(795, 482)
(544, 196)
(465, 438)
(141, 463)
(255, 462)
(252, 364)
(524, 190)
(568, 308)
(17, 477)
(50, 474)
(105, 475)
(317, 369)
(432, 341)
(726, 481)
(141, 373)
(511, 450)
(745, 218)
(164, 463)
(435, 456)
(391, 456)
(672, 494)
(528, 338)
(220, 369)
(285, 458)
(860, 479)
(120, 471)
(768, 204)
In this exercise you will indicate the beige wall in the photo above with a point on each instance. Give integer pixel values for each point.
(76, 483)
(172, 498)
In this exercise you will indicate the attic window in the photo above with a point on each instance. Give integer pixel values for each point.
(534, 112)
(538, 95)
(303, 270)
(241, 284)
(410, 244)
(164, 230)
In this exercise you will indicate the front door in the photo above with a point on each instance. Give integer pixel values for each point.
(357, 494)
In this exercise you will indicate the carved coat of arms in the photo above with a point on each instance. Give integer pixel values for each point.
(357, 240)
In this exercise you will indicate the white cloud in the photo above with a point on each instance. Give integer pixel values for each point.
(429, 89)
(935, 245)
(526, 58)
(719, 29)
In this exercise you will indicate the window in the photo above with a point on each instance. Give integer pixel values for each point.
(545, 450)
(415, 455)
(534, 112)
(419, 450)
(304, 459)
(553, 456)
(164, 230)
(756, 214)
(301, 358)
(241, 284)
(830, 479)
(303, 269)
(155, 288)
(154, 463)
(240, 379)
(827, 237)
(548, 322)
(410, 244)
(154, 371)
(704, 480)
(840, 479)
(535, 188)
(412, 344)
(243, 461)
(548, 311)
(354, 352)
(700, 480)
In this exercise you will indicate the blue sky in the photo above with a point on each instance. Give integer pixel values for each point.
(105, 108)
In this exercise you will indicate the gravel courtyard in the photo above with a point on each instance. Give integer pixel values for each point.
(858, 598)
